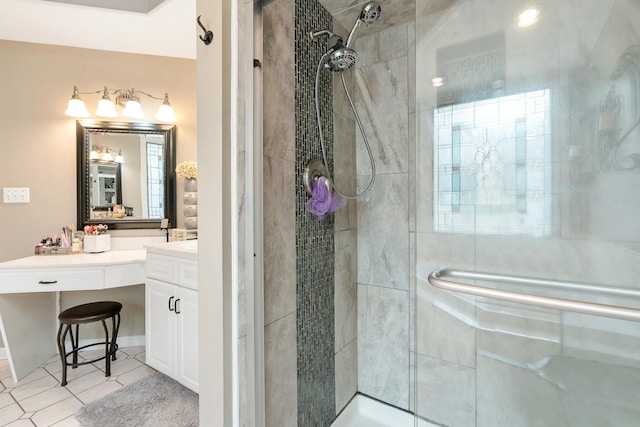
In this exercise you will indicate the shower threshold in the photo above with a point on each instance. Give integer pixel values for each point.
(363, 411)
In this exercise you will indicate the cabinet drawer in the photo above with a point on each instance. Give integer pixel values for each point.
(162, 267)
(188, 274)
(48, 280)
(179, 271)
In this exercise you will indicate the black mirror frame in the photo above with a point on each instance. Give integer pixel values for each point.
(83, 130)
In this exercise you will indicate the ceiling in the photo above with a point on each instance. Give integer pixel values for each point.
(142, 6)
(168, 29)
(154, 27)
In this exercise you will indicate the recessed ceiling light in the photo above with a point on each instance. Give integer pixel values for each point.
(528, 17)
(438, 81)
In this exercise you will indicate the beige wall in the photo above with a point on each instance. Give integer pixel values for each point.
(38, 142)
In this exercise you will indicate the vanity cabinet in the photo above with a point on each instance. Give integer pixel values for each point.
(172, 318)
(29, 298)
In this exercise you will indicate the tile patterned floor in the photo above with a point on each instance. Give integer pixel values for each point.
(38, 399)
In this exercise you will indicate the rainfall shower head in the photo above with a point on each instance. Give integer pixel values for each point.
(340, 58)
(370, 13)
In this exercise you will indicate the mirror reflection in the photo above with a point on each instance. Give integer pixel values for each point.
(126, 172)
(105, 181)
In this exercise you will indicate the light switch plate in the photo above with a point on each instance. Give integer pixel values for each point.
(15, 195)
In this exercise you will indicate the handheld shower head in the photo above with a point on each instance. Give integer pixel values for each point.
(370, 13)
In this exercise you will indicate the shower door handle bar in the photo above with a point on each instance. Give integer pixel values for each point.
(539, 282)
(603, 310)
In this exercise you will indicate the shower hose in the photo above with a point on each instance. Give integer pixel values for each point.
(355, 113)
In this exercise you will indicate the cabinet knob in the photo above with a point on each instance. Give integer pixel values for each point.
(174, 305)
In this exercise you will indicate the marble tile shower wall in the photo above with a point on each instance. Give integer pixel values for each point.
(344, 129)
(384, 80)
(279, 214)
(245, 22)
(304, 369)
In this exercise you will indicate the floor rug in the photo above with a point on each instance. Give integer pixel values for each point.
(153, 401)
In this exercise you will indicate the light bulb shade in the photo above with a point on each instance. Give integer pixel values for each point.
(119, 158)
(165, 113)
(106, 157)
(77, 108)
(133, 109)
(94, 155)
(106, 108)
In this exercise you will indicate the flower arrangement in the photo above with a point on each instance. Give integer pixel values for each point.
(187, 169)
(94, 230)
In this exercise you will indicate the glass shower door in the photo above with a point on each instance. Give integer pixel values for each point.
(528, 154)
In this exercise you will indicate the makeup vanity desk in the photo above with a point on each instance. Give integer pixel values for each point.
(29, 296)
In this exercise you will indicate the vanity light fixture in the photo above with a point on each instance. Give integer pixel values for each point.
(102, 154)
(165, 112)
(106, 107)
(106, 157)
(75, 106)
(119, 158)
(126, 98)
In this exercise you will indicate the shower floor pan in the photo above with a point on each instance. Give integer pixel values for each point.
(366, 412)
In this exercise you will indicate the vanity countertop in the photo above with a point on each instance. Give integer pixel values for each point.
(77, 260)
(183, 249)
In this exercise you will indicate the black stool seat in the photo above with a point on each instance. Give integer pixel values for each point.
(87, 313)
(91, 312)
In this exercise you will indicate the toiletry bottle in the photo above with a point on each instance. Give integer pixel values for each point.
(75, 245)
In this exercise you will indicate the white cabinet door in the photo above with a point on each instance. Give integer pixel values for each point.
(187, 316)
(160, 326)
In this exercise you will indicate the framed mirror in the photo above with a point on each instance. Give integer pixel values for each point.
(126, 174)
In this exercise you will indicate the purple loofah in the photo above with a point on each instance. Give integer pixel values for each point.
(322, 201)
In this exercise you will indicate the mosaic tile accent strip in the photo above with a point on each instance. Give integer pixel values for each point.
(314, 239)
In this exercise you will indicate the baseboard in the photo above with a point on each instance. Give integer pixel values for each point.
(131, 341)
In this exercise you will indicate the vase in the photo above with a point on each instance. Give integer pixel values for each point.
(190, 185)
(94, 243)
(190, 201)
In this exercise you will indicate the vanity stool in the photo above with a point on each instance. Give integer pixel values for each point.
(88, 313)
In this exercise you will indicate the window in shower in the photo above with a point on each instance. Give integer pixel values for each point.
(492, 166)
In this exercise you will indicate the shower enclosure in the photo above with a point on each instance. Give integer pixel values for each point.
(527, 165)
(507, 151)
